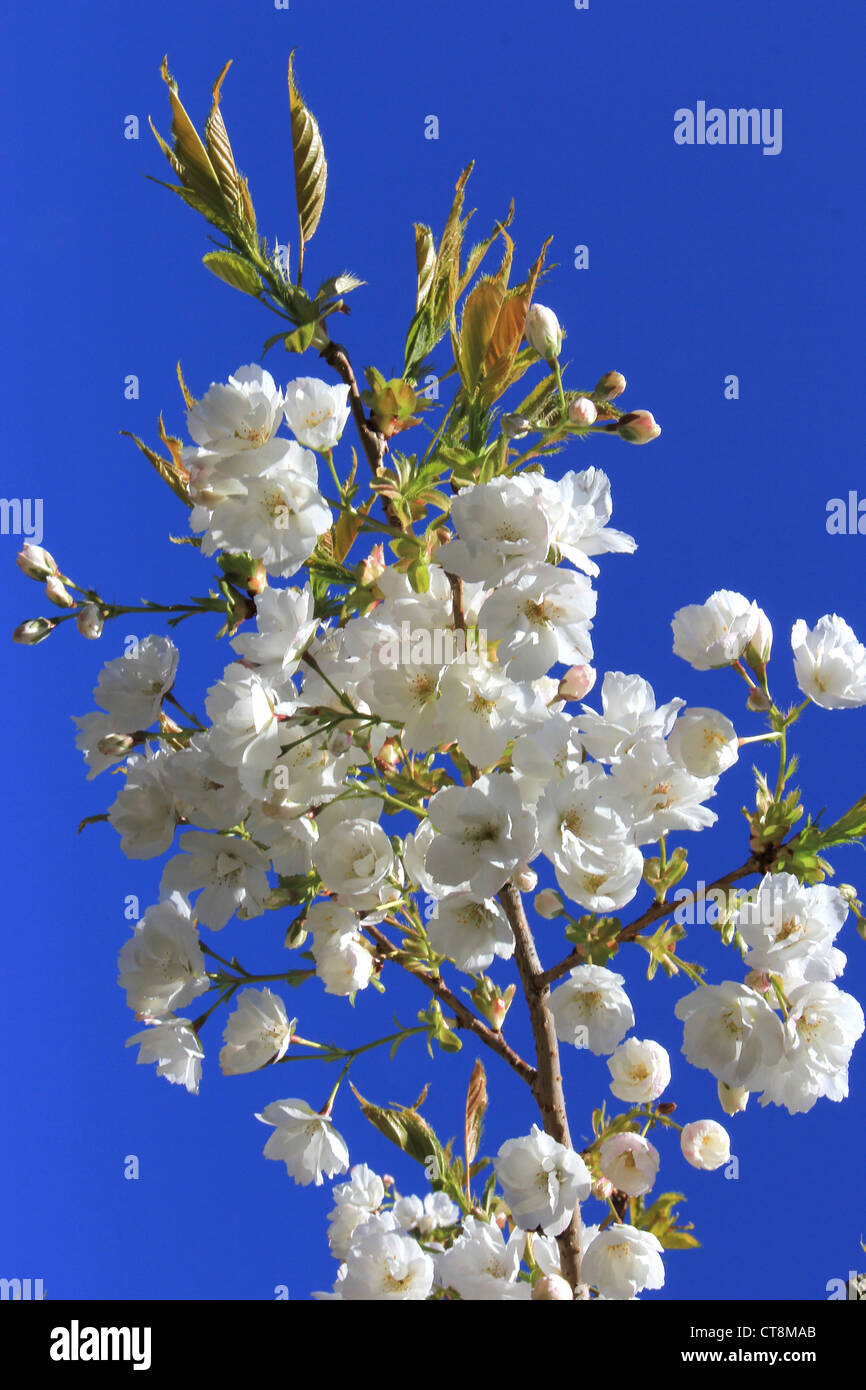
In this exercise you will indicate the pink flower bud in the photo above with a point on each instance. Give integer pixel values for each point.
(515, 426)
(638, 427)
(35, 562)
(543, 332)
(758, 980)
(552, 1287)
(577, 682)
(33, 631)
(370, 568)
(582, 411)
(602, 1188)
(90, 622)
(548, 904)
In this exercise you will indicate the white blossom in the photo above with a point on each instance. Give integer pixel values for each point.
(470, 932)
(541, 615)
(481, 1265)
(542, 1181)
(305, 1140)
(704, 742)
(257, 1033)
(242, 414)
(591, 1009)
(715, 633)
(630, 1162)
(484, 833)
(433, 1213)
(176, 1050)
(231, 872)
(144, 813)
(131, 688)
(628, 713)
(731, 1031)
(829, 663)
(245, 712)
(822, 1027)
(660, 795)
(161, 966)
(355, 860)
(639, 1071)
(385, 1265)
(482, 709)
(316, 413)
(790, 928)
(356, 1201)
(705, 1144)
(500, 526)
(285, 622)
(622, 1261)
(579, 506)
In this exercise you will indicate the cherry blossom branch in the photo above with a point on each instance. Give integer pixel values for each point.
(547, 1088)
(373, 443)
(753, 865)
(465, 1017)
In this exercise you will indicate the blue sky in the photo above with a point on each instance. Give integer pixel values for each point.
(703, 262)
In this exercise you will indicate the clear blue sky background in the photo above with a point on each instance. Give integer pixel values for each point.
(703, 262)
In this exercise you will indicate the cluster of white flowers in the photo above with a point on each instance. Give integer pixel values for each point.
(288, 782)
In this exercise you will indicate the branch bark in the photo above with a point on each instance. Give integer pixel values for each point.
(465, 1017)
(374, 444)
(547, 1088)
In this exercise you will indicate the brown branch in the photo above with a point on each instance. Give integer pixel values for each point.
(374, 444)
(753, 865)
(547, 1088)
(465, 1017)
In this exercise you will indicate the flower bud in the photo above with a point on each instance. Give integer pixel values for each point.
(705, 1144)
(35, 562)
(638, 427)
(515, 426)
(577, 682)
(491, 1002)
(582, 411)
(758, 702)
(543, 332)
(525, 878)
(388, 755)
(611, 385)
(58, 593)
(757, 653)
(116, 745)
(33, 631)
(602, 1188)
(552, 1287)
(549, 904)
(90, 622)
(371, 567)
(758, 980)
(732, 1099)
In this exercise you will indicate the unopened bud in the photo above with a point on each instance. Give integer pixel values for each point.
(582, 411)
(491, 1002)
(389, 754)
(758, 980)
(35, 562)
(757, 653)
(58, 593)
(543, 332)
(758, 702)
(577, 682)
(33, 631)
(339, 742)
(548, 904)
(638, 427)
(258, 580)
(374, 565)
(515, 426)
(552, 1287)
(612, 384)
(90, 622)
(525, 879)
(115, 745)
(732, 1099)
(602, 1188)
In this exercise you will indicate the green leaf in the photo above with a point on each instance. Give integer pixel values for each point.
(234, 270)
(220, 151)
(168, 470)
(300, 339)
(311, 169)
(476, 1105)
(189, 158)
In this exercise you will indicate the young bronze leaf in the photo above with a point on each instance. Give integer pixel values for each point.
(476, 1105)
(311, 169)
(196, 170)
(177, 480)
(480, 315)
(220, 151)
(425, 260)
